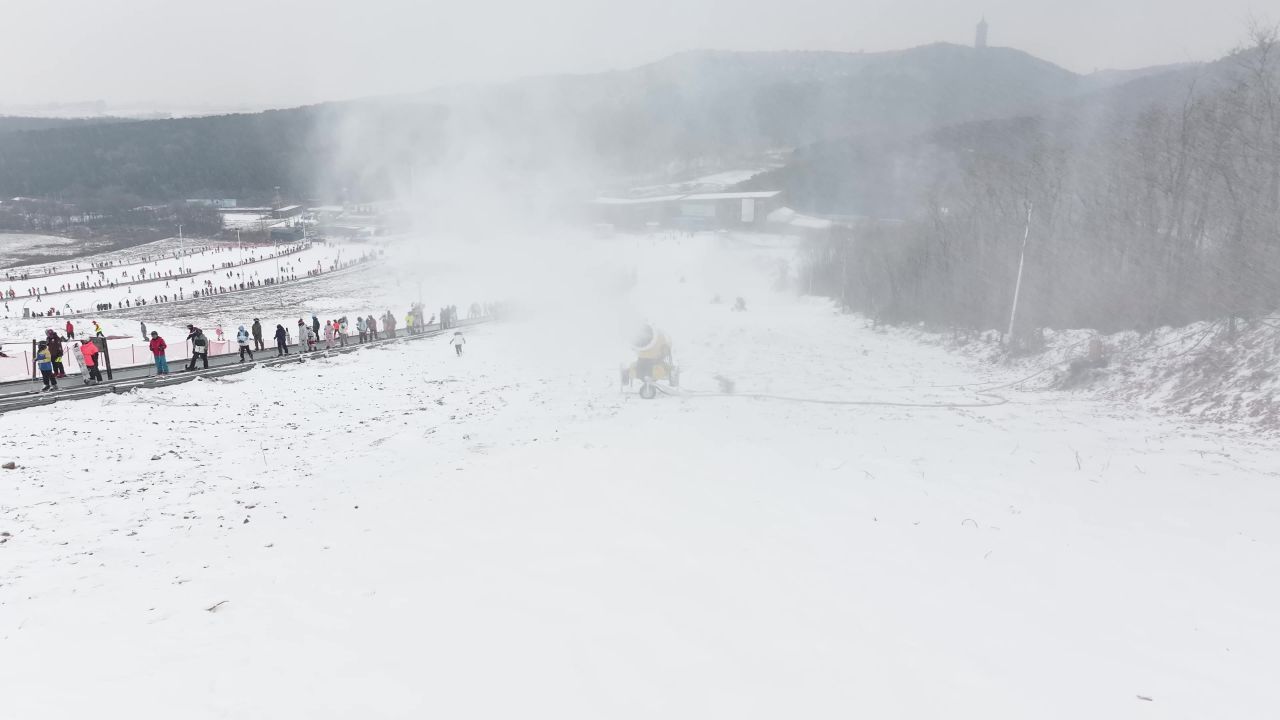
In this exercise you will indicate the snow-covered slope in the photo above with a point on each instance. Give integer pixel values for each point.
(1203, 371)
(402, 533)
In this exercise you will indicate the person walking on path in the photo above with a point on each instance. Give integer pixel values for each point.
(89, 351)
(71, 331)
(315, 325)
(145, 336)
(372, 326)
(328, 334)
(282, 341)
(389, 322)
(55, 352)
(257, 335)
(341, 324)
(97, 329)
(408, 323)
(458, 341)
(199, 347)
(303, 332)
(242, 339)
(44, 362)
(158, 346)
(361, 329)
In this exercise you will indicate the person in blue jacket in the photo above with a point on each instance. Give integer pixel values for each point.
(44, 362)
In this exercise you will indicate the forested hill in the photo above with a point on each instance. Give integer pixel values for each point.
(1156, 203)
(693, 108)
(244, 155)
(12, 123)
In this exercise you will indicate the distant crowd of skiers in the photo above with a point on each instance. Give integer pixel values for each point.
(333, 333)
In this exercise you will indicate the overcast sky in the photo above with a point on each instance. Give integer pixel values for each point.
(176, 54)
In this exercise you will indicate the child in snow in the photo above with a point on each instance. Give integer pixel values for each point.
(458, 341)
(89, 351)
(44, 361)
(55, 352)
(242, 339)
(158, 347)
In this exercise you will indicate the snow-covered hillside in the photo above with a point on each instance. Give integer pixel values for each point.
(402, 533)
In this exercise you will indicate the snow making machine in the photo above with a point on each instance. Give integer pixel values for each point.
(653, 363)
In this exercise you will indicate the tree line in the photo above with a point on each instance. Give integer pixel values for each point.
(1137, 219)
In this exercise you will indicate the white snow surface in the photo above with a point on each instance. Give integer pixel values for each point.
(401, 533)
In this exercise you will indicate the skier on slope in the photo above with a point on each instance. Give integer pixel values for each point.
(457, 342)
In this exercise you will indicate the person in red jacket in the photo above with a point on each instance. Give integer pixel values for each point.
(71, 331)
(89, 350)
(158, 347)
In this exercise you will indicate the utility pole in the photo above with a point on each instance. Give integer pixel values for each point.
(844, 273)
(1022, 261)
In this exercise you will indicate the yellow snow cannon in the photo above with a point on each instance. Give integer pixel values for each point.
(653, 362)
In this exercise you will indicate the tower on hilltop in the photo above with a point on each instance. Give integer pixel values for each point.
(980, 39)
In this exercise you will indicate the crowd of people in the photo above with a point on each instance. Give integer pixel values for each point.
(332, 333)
(105, 264)
(238, 280)
(50, 353)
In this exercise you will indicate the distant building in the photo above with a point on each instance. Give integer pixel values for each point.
(980, 38)
(727, 209)
(635, 212)
(699, 211)
(212, 202)
(286, 233)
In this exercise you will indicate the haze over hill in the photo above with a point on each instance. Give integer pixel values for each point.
(772, 381)
(951, 142)
(692, 110)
